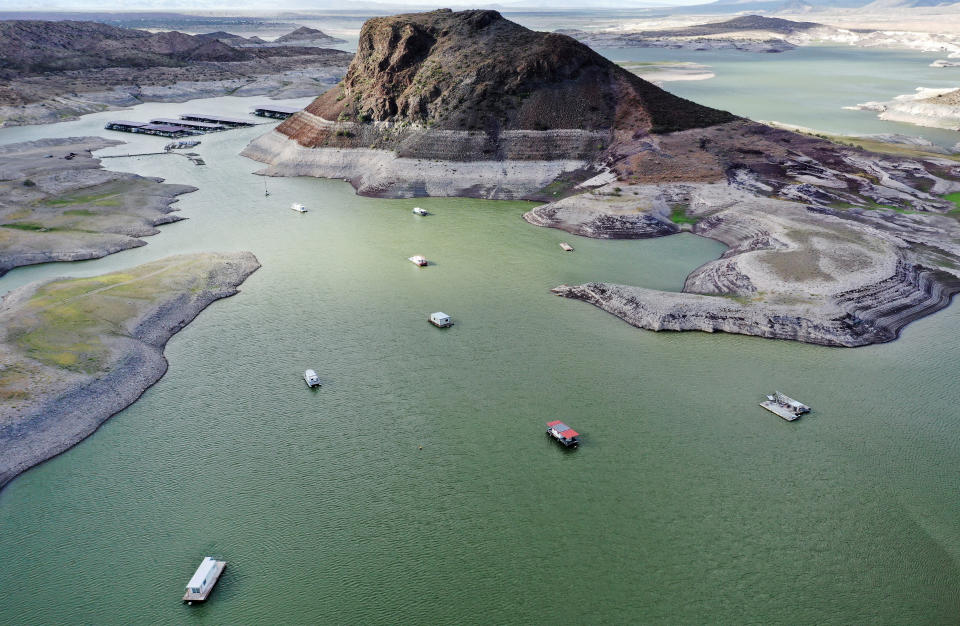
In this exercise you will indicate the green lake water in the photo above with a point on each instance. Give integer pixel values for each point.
(417, 485)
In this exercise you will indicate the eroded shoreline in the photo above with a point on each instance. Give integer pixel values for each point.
(75, 352)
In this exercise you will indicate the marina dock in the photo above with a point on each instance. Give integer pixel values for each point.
(275, 111)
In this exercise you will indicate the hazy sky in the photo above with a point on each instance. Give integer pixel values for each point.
(250, 6)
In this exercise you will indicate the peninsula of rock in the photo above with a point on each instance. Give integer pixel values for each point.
(58, 204)
(73, 352)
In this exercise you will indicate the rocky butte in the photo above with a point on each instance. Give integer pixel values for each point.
(828, 243)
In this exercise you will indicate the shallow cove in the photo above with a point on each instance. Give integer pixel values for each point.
(687, 502)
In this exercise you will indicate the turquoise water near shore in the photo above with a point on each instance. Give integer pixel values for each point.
(686, 503)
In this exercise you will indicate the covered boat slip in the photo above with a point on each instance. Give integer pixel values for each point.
(232, 122)
(275, 111)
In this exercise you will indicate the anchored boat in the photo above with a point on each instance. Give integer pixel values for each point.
(311, 378)
(299, 208)
(419, 260)
(567, 247)
(563, 433)
(440, 320)
(785, 406)
(203, 580)
(418, 211)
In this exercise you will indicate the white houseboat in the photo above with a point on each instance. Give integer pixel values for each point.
(299, 208)
(440, 320)
(311, 378)
(206, 576)
(418, 211)
(566, 247)
(419, 260)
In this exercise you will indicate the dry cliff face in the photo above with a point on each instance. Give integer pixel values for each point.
(472, 86)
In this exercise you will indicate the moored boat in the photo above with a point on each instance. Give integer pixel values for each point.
(563, 433)
(203, 580)
(785, 406)
(440, 320)
(311, 378)
(299, 208)
(567, 247)
(418, 211)
(419, 260)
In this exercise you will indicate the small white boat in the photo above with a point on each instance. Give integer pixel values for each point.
(566, 246)
(311, 378)
(418, 211)
(440, 320)
(419, 260)
(299, 208)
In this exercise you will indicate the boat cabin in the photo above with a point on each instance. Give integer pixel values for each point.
(311, 378)
(563, 433)
(440, 320)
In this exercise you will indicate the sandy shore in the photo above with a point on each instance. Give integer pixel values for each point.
(74, 352)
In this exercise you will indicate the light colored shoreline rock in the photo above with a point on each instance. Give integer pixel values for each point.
(792, 271)
(382, 173)
(63, 406)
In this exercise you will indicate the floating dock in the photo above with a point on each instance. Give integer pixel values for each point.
(784, 406)
(144, 128)
(230, 122)
(275, 111)
(203, 127)
(203, 580)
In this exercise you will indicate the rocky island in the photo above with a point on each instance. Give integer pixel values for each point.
(828, 243)
(53, 71)
(73, 352)
(58, 204)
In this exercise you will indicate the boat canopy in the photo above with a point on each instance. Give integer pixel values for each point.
(564, 431)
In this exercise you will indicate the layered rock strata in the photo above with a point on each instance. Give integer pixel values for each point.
(470, 96)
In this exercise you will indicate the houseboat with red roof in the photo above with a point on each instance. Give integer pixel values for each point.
(563, 433)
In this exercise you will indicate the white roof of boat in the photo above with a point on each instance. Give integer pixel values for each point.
(206, 566)
(439, 314)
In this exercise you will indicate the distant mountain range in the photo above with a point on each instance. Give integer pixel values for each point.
(36, 46)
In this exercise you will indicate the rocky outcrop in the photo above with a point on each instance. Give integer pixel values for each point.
(472, 87)
(936, 108)
(55, 393)
(796, 269)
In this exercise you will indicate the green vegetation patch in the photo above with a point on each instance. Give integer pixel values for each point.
(80, 212)
(102, 199)
(954, 198)
(678, 215)
(34, 226)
